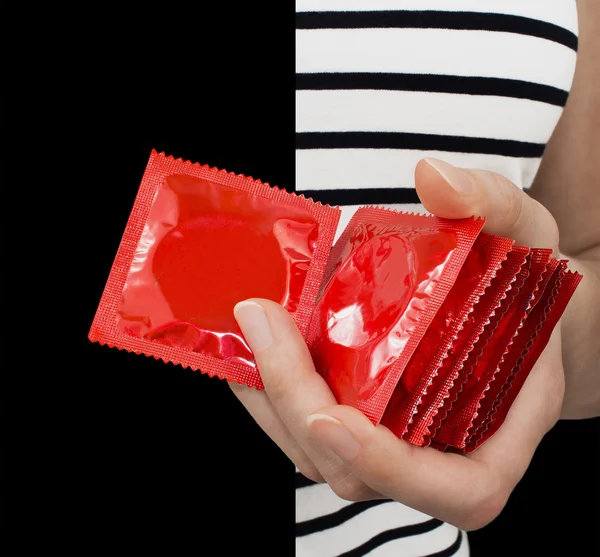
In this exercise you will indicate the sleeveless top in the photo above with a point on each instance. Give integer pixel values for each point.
(381, 84)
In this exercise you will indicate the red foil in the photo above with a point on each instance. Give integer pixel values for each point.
(198, 241)
(555, 303)
(388, 275)
(421, 389)
(470, 342)
(452, 426)
(537, 329)
(493, 367)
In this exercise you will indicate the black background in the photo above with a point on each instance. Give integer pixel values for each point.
(109, 453)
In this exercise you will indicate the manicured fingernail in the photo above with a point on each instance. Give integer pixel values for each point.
(332, 433)
(459, 180)
(252, 319)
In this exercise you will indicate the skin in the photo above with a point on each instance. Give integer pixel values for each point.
(339, 445)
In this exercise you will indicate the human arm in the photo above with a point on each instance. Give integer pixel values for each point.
(568, 184)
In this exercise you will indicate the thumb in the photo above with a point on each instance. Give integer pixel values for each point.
(455, 193)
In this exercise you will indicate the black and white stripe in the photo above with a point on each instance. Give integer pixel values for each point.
(381, 84)
(460, 85)
(369, 527)
(436, 19)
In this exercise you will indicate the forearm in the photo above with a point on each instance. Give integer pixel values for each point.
(580, 328)
(568, 185)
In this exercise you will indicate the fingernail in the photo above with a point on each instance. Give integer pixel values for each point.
(459, 180)
(332, 433)
(252, 319)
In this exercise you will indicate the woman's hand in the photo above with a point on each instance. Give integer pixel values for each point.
(339, 445)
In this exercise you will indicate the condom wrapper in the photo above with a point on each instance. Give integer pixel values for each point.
(388, 275)
(421, 388)
(511, 339)
(469, 342)
(537, 330)
(198, 241)
(479, 370)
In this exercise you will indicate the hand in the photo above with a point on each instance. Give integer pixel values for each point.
(339, 445)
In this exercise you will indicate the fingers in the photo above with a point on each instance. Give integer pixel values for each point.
(451, 192)
(451, 487)
(260, 408)
(292, 385)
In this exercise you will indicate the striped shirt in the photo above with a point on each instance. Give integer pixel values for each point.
(381, 84)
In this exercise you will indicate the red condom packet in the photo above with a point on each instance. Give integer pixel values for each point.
(452, 374)
(496, 368)
(410, 408)
(537, 330)
(482, 364)
(198, 241)
(388, 275)
(451, 422)
(476, 334)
